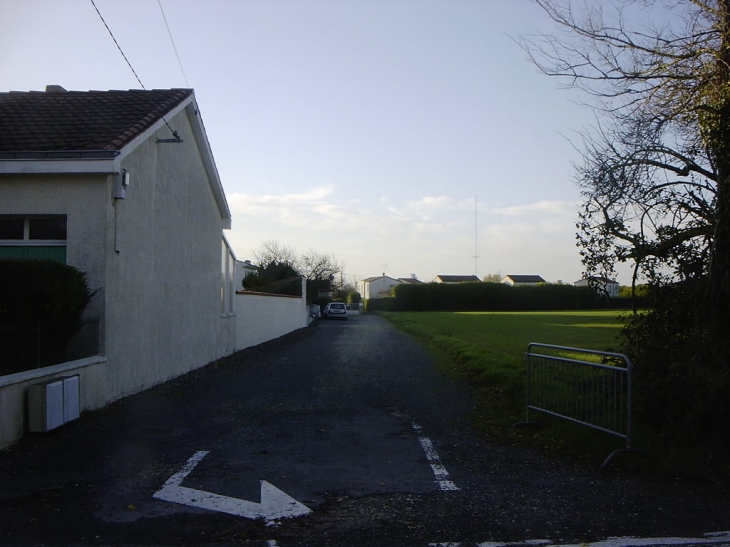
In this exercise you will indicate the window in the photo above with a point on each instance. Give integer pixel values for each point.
(228, 264)
(47, 228)
(38, 236)
(12, 228)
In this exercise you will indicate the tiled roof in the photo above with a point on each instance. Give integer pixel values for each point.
(38, 121)
(458, 278)
(411, 280)
(371, 279)
(526, 278)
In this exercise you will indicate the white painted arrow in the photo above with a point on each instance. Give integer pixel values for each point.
(274, 505)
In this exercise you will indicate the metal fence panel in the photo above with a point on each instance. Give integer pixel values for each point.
(591, 388)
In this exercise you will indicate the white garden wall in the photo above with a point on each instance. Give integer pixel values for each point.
(262, 317)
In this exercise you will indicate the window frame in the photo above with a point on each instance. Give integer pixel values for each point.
(26, 240)
(27, 243)
(228, 265)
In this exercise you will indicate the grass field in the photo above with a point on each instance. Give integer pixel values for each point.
(487, 351)
(508, 333)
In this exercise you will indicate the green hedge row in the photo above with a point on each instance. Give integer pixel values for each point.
(488, 297)
(380, 304)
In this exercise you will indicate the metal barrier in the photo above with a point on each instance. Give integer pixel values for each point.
(354, 308)
(560, 382)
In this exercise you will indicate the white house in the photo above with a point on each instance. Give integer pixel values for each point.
(522, 280)
(243, 268)
(602, 284)
(376, 287)
(130, 178)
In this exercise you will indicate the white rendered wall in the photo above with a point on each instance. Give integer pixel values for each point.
(260, 318)
(380, 288)
(163, 268)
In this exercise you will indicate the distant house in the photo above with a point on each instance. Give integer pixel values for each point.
(128, 183)
(244, 268)
(602, 284)
(456, 279)
(522, 280)
(413, 280)
(376, 287)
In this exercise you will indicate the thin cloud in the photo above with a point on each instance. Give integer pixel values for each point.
(439, 203)
(316, 209)
(541, 207)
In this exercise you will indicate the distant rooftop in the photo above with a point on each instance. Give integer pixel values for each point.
(526, 278)
(456, 279)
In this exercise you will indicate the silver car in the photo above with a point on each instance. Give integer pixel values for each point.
(336, 309)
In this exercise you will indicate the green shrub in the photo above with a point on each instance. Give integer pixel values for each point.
(38, 297)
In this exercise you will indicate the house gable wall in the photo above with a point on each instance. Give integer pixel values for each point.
(164, 268)
(378, 287)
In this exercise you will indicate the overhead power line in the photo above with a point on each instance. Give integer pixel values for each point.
(179, 62)
(176, 138)
(118, 46)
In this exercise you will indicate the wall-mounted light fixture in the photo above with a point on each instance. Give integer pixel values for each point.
(121, 182)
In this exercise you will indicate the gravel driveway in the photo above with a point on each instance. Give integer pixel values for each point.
(347, 422)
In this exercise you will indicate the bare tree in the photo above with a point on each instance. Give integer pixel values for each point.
(646, 202)
(324, 273)
(323, 269)
(664, 161)
(272, 250)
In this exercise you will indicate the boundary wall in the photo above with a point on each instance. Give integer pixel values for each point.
(261, 317)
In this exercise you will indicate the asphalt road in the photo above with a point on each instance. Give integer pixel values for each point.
(359, 441)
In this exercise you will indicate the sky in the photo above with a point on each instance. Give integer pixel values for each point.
(399, 136)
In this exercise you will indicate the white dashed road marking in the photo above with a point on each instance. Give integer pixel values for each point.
(443, 479)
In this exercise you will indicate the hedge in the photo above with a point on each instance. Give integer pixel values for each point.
(488, 297)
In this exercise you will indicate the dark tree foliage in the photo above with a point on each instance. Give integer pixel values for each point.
(682, 374)
(41, 290)
(275, 278)
(41, 307)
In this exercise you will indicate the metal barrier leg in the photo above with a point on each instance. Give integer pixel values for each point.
(610, 457)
